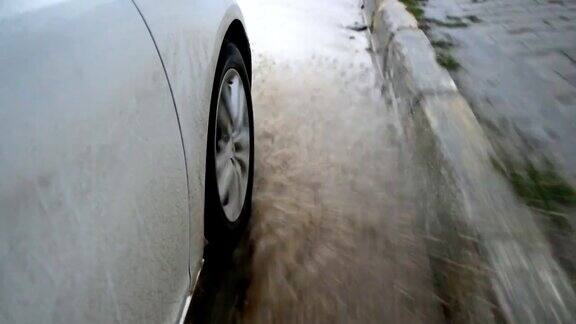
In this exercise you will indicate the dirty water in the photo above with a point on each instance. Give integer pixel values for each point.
(332, 235)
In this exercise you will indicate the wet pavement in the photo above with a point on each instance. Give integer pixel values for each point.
(518, 71)
(332, 235)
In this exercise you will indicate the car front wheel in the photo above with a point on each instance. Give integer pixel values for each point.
(230, 153)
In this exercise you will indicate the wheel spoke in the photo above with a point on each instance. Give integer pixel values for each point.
(221, 160)
(225, 181)
(243, 158)
(225, 120)
(242, 139)
(235, 95)
(238, 186)
(241, 108)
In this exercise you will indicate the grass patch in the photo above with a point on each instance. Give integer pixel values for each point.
(447, 61)
(474, 19)
(443, 57)
(543, 189)
(415, 8)
(452, 22)
(441, 43)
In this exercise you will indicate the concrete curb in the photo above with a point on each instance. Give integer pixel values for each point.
(523, 282)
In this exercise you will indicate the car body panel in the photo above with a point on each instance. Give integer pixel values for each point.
(94, 219)
(189, 35)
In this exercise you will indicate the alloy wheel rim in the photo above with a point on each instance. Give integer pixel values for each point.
(232, 144)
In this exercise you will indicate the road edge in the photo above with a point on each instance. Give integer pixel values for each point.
(518, 279)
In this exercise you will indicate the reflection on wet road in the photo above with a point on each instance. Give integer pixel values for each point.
(331, 235)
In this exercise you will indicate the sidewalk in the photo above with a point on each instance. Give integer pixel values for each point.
(515, 63)
(517, 70)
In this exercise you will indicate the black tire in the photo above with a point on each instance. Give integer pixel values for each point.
(222, 234)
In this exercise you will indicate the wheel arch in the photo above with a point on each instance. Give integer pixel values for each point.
(236, 34)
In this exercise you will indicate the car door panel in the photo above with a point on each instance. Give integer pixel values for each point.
(93, 195)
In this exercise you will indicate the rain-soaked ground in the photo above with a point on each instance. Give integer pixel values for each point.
(332, 232)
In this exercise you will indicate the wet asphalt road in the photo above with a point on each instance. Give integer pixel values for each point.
(332, 235)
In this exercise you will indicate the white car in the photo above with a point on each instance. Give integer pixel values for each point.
(126, 143)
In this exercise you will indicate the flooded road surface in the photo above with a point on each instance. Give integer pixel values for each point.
(331, 236)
